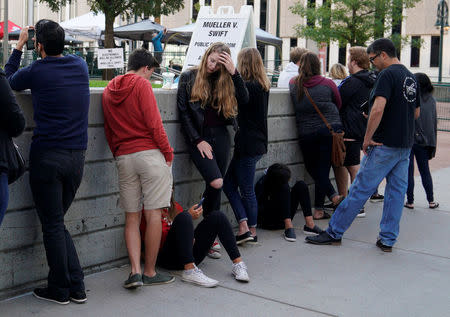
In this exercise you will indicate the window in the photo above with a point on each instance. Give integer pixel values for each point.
(195, 4)
(415, 51)
(250, 2)
(309, 20)
(207, 2)
(263, 15)
(293, 42)
(434, 53)
(342, 55)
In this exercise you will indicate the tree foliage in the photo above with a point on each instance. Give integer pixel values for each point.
(349, 21)
(128, 8)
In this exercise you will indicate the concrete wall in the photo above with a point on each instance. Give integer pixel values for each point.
(94, 219)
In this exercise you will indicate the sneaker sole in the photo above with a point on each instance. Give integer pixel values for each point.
(215, 257)
(241, 280)
(289, 239)
(51, 300)
(328, 243)
(200, 284)
(376, 200)
(309, 233)
(78, 301)
(160, 283)
(363, 215)
(133, 285)
(243, 240)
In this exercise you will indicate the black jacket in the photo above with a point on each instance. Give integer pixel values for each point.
(355, 92)
(192, 114)
(12, 121)
(251, 138)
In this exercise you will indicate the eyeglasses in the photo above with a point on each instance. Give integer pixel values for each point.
(371, 59)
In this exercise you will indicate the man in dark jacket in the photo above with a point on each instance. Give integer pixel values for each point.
(60, 90)
(354, 91)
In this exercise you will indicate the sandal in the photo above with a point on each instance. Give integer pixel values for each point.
(341, 199)
(433, 205)
(409, 206)
(325, 216)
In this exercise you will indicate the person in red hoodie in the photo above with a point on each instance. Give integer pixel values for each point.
(143, 155)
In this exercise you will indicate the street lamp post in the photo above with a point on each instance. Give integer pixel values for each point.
(442, 23)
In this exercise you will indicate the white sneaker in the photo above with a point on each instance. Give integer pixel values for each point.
(216, 246)
(213, 254)
(240, 272)
(196, 276)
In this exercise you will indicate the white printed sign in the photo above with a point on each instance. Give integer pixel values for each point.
(235, 30)
(110, 58)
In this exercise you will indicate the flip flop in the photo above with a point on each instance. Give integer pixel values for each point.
(409, 206)
(434, 206)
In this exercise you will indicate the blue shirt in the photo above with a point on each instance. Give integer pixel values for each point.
(157, 42)
(60, 93)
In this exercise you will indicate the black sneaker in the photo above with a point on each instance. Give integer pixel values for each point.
(376, 198)
(254, 240)
(43, 293)
(312, 231)
(383, 247)
(133, 281)
(289, 235)
(329, 207)
(78, 297)
(361, 214)
(243, 238)
(323, 239)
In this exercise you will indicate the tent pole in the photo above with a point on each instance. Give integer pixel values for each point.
(5, 34)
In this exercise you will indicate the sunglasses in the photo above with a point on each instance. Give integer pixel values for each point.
(371, 59)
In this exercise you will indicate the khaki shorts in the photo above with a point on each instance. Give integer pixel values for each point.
(144, 178)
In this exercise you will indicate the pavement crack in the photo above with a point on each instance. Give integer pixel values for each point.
(278, 301)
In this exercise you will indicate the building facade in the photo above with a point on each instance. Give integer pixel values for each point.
(417, 26)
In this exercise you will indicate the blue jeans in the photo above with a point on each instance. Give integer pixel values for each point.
(241, 174)
(421, 154)
(4, 195)
(380, 162)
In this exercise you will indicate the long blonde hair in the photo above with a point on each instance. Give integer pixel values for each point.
(251, 67)
(221, 96)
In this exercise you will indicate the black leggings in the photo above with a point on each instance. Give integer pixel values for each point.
(219, 139)
(180, 248)
(282, 204)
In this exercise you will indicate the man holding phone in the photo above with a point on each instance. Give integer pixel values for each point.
(60, 90)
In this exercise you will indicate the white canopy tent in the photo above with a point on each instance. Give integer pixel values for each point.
(86, 27)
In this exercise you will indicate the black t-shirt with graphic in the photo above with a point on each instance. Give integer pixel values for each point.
(399, 86)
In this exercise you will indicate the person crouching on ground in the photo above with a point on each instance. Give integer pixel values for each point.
(143, 155)
(183, 247)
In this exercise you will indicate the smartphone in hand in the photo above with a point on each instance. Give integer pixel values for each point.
(30, 42)
(200, 203)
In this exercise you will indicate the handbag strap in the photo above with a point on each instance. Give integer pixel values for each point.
(317, 109)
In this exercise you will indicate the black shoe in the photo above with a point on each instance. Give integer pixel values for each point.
(43, 293)
(329, 207)
(243, 238)
(383, 247)
(254, 240)
(312, 231)
(289, 235)
(133, 281)
(78, 297)
(376, 198)
(323, 238)
(361, 214)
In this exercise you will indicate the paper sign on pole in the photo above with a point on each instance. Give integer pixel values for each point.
(234, 29)
(110, 58)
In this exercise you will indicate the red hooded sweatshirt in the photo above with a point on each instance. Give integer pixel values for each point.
(132, 119)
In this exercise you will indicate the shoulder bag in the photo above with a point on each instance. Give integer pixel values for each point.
(338, 147)
(16, 162)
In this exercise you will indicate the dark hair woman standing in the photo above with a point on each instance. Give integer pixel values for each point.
(315, 138)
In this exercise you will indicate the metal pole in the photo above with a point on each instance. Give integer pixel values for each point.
(5, 34)
(30, 17)
(441, 40)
